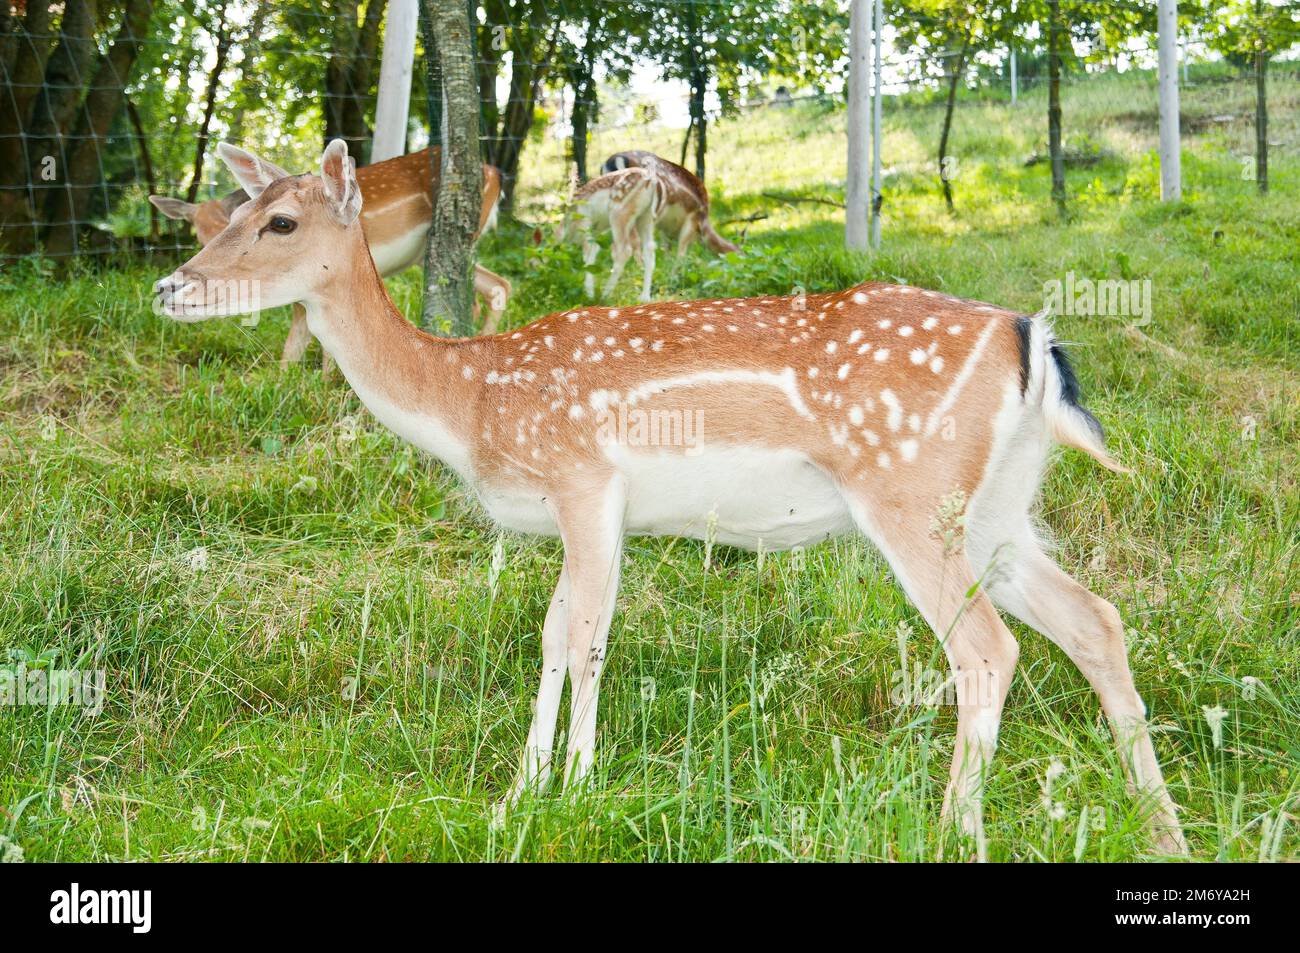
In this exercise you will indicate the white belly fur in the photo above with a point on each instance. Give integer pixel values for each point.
(754, 498)
(401, 253)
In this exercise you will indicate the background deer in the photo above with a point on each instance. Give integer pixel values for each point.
(625, 204)
(399, 210)
(685, 212)
(882, 410)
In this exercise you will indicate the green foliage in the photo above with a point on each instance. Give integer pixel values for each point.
(1241, 28)
(309, 654)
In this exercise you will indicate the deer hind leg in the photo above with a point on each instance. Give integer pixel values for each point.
(645, 227)
(590, 252)
(690, 228)
(591, 526)
(495, 290)
(295, 343)
(980, 648)
(1025, 582)
(535, 772)
(623, 226)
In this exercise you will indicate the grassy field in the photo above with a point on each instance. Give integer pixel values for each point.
(315, 647)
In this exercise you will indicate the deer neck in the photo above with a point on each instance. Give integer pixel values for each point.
(414, 383)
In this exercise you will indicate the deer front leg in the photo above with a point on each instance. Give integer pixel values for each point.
(535, 772)
(591, 525)
(295, 343)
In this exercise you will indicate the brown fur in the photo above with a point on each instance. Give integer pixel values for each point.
(901, 397)
(397, 196)
(685, 194)
(626, 202)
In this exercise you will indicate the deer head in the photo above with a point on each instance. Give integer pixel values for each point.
(282, 246)
(209, 218)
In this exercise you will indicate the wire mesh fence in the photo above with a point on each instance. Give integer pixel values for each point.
(106, 103)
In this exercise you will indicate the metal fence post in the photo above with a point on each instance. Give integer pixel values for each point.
(392, 109)
(856, 199)
(877, 196)
(1171, 185)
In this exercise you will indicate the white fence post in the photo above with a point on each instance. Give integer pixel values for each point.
(393, 105)
(857, 196)
(876, 194)
(1171, 183)
(1013, 76)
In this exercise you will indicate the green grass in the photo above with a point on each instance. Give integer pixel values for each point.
(316, 649)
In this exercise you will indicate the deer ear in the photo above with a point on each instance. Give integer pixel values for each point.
(252, 172)
(338, 171)
(178, 209)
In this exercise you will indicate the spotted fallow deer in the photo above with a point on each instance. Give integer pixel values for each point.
(396, 220)
(625, 204)
(685, 212)
(875, 411)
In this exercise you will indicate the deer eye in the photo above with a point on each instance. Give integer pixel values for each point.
(281, 225)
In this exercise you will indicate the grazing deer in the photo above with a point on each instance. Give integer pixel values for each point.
(396, 220)
(685, 212)
(883, 410)
(625, 204)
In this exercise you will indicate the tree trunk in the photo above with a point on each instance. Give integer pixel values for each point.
(701, 138)
(8, 39)
(55, 108)
(1054, 106)
(697, 125)
(146, 160)
(448, 285)
(515, 123)
(957, 70)
(584, 106)
(526, 78)
(85, 168)
(356, 130)
(338, 68)
(66, 76)
(1261, 120)
(506, 131)
(209, 106)
(27, 67)
(698, 77)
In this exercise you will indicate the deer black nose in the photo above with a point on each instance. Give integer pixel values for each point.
(176, 282)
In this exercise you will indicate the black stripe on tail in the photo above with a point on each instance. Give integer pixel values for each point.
(1071, 394)
(614, 163)
(1023, 328)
